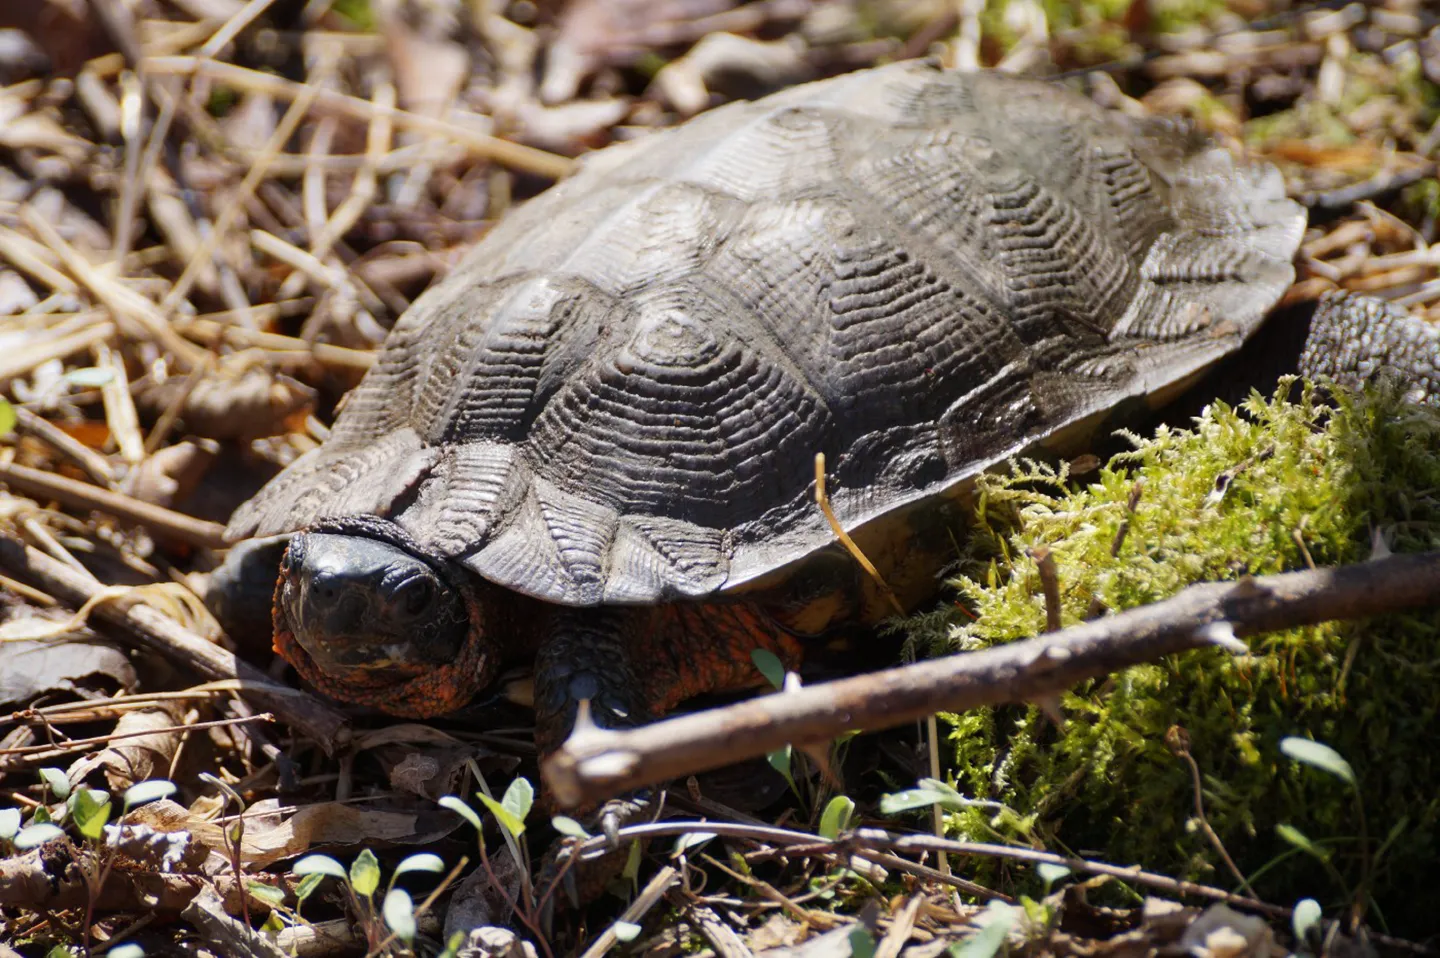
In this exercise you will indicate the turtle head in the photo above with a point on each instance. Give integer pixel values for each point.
(370, 619)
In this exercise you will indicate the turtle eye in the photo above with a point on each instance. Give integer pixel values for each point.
(414, 594)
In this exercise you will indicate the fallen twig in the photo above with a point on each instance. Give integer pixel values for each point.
(875, 841)
(597, 763)
(721, 936)
(515, 155)
(55, 344)
(157, 632)
(96, 466)
(652, 893)
(81, 744)
(166, 523)
(212, 333)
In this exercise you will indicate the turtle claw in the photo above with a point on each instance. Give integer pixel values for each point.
(583, 881)
(612, 815)
(619, 812)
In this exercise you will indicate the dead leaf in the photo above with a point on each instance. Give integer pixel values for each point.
(61, 28)
(130, 760)
(270, 837)
(29, 669)
(686, 83)
(429, 71)
(1223, 932)
(233, 404)
(158, 836)
(434, 772)
(171, 474)
(207, 913)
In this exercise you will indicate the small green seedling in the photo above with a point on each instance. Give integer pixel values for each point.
(396, 913)
(836, 817)
(1050, 873)
(995, 923)
(927, 792)
(33, 836)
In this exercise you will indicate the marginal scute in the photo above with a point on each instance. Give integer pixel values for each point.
(336, 480)
(618, 396)
(655, 558)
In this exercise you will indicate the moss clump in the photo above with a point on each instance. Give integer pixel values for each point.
(357, 12)
(1272, 486)
(1174, 16)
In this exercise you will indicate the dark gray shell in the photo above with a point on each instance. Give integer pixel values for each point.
(619, 395)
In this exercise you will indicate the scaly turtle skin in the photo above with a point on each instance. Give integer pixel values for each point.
(592, 444)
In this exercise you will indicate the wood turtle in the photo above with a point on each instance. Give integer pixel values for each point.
(593, 443)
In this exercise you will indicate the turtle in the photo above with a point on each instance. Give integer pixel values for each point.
(593, 444)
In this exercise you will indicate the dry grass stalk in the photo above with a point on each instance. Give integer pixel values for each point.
(57, 344)
(133, 313)
(79, 495)
(120, 414)
(524, 158)
(236, 205)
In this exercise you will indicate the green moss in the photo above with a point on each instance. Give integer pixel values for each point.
(222, 100)
(357, 12)
(1308, 120)
(1418, 93)
(1302, 484)
(1422, 199)
(1174, 16)
(1059, 15)
(1095, 26)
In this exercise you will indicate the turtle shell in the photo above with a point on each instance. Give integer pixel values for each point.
(618, 396)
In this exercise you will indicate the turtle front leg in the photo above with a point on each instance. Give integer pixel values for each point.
(586, 654)
(633, 665)
(637, 664)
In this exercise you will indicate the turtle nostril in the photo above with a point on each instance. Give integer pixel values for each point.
(325, 585)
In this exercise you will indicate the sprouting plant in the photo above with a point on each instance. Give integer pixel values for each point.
(85, 813)
(836, 817)
(41, 827)
(510, 813)
(782, 759)
(996, 923)
(234, 834)
(1320, 756)
(392, 920)
(1042, 915)
(929, 792)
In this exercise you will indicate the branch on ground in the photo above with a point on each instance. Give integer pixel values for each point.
(157, 632)
(595, 764)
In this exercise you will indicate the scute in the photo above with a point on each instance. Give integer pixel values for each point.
(617, 397)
